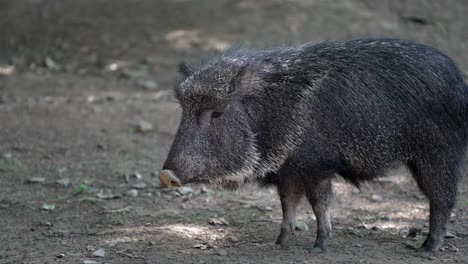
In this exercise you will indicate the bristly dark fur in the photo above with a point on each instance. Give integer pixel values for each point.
(296, 116)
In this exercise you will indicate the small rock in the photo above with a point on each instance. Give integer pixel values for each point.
(204, 189)
(261, 208)
(376, 198)
(45, 223)
(200, 246)
(100, 253)
(218, 221)
(140, 185)
(50, 63)
(375, 228)
(185, 190)
(133, 177)
(8, 155)
(147, 84)
(48, 207)
(107, 195)
(88, 261)
(90, 248)
(151, 243)
(132, 193)
(452, 248)
(144, 127)
(450, 235)
(221, 252)
(6, 70)
(301, 226)
(39, 180)
(362, 225)
(66, 182)
(233, 239)
(60, 255)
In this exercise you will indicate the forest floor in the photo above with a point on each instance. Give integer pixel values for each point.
(87, 117)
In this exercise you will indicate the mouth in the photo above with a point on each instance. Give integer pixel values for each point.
(168, 178)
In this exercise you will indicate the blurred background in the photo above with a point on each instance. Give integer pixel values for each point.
(87, 117)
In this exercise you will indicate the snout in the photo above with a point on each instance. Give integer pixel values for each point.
(168, 178)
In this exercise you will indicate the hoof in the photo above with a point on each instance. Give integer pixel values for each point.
(426, 255)
(317, 250)
(281, 246)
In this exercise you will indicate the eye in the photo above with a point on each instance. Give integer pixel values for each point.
(215, 114)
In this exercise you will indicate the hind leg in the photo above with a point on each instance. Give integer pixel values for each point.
(437, 177)
(290, 191)
(320, 195)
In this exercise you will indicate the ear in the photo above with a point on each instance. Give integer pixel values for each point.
(186, 69)
(249, 78)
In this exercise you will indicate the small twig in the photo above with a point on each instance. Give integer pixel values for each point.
(240, 202)
(120, 210)
(122, 252)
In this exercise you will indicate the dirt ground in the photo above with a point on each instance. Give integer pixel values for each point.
(87, 117)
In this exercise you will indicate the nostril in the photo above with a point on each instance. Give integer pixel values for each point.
(169, 178)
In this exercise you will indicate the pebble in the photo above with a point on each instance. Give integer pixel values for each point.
(39, 180)
(48, 207)
(147, 84)
(221, 252)
(450, 235)
(6, 70)
(88, 261)
(140, 185)
(204, 189)
(144, 127)
(100, 253)
(185, 190)
(45, 223)
(50, 63)
(200, 246)
(133, 177)
(218, 221)
(90, 248)
(452, 248)
(132, 193)
(66, 182)
(376, 198)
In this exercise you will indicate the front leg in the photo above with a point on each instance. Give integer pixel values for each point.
(290, 191)
(320, 196)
